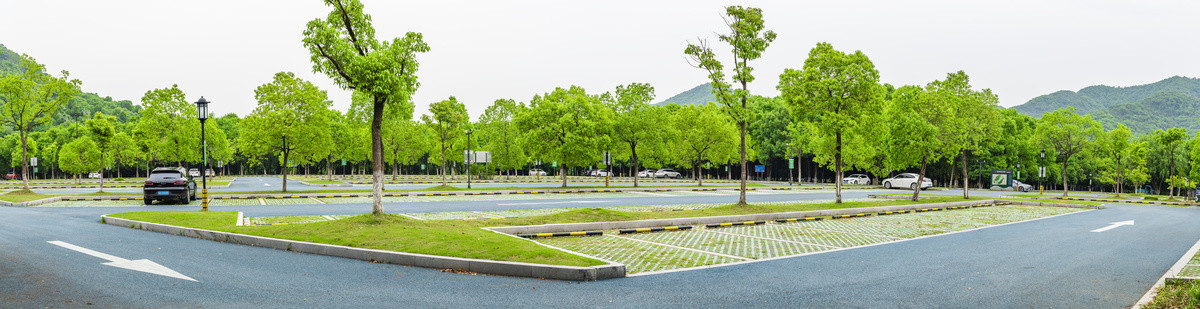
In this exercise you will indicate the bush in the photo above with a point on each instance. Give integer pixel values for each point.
(119, 179)
(1151, 198)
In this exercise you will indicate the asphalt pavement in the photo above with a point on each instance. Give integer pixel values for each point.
(1052, 262)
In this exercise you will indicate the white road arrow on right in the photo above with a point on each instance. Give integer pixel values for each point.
(1113, 226)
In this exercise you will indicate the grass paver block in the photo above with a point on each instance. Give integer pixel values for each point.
(637, 256)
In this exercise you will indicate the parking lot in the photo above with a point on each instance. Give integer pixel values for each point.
(647, 253)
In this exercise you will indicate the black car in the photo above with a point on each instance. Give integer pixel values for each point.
(169, 183)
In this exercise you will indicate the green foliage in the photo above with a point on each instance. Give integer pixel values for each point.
(498, 133)
(291, 122)
(702, 134)
(31, 99)
(80, 156)
(635, 123)
(768, 128)
(830, 95)
(1064, 134)
(567, 126)
(448, 123)
(168, 127)
(1169, 103)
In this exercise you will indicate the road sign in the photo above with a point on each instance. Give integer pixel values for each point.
(477, 157)
(1042, 171)
(607, 158)
(344, 164)
(33, 161)
(1002, 178)
(791, 164)
(422, 165)
(760, 168)
(554, 164)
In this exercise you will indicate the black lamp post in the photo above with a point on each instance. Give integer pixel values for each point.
(202, 114)
(1041, 170)
(469, 158)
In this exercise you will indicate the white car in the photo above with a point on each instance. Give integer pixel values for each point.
(602, 173)
(857, 179)
(94, 175)
(666, 173)
(195, 172)
(906, 181)
(537, 172)
(209, 172)
(646, 173)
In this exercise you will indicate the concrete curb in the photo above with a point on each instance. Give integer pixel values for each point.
(1168, 277)
(899, 197)
(1126, 201)
(847, 212)
(503, 268)
(325, 185)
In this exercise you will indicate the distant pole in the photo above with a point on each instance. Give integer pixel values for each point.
(468, 159)
(202, 114)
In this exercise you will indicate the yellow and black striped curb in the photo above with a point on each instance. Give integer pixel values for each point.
(1127, 201)
(704, 189)
(433, 194)
(894, 212)
(734, 224)
(71, 187)
(72, 199)
(679, 209)
(528, 192)
(927, 209)
(655, 229)
(482, 193)
(850, 216)
(588, 233)
(232, 197)
(798, 219)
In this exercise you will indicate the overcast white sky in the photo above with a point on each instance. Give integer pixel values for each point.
(485, 50)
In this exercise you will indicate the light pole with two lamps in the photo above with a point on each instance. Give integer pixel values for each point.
(202, 114)
(1041, 171)
(469, 157)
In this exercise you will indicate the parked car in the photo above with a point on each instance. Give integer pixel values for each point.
(602, 173)
(94, 175)
(646, 173)
(12, 176)
(906, 180)
(537, 172)
(1021, 186)
(666, 173)
(209, 172)
(857, 179)
(195, 172)
(590, 172)
(169, 183)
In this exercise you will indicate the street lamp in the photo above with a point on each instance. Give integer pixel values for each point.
(469, 158)
(202, 114)
(1041, 171)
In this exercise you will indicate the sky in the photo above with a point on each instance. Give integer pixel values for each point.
(487, 50)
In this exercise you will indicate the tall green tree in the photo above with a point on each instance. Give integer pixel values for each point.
(1171, 141)
(975, 120)
(1066, 134)
(831, 93)
(291, 121)
(406, 142)
(32, 97)
(102, 132)
(917, 130)
(169, 127)
(448, 122)
(344, 47)
(124, 151)
(80, 156)
(498, 134)
(1116, 145)
(634, 123)
(769, 128)
(748, 41)
(567, 126)
(703, 135)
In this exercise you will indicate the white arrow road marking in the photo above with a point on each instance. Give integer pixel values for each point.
(142, 265)
(1113, 226)
(544, 203)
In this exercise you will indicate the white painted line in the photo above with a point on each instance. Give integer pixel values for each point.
(844, 232)
(319, 201)
(547, 203)
(411, 216)
(142, 265)
(771, 239)
(850, 248)
(261, 201)
(682, 248)
(703, 193)
(1112, 226)
(651, 194)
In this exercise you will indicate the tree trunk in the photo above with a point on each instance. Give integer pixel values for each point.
(562, 171)
(837, 165)
(24, 160)
(1064, 176)
(377, 157)
(285, 168)
(329, 167)
(920, 178)
(633, 152)
(964, 174)
(101, 172)
(443, 163)
(1118, 186)
(742, 127)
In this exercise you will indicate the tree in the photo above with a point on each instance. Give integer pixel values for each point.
(124, 151)
(567, 126)
(102, 132)
(448, 122)
(80, 156)
(1170, 141)
(406, 142)
(1116, 146)
(343, 46)
(634, 122)
(769, 126)
(498, 134)
(169, 127)
(974, 118)
(32, 98)
(917, 129)
(291, 121)
(1066, 134)
(838, 90)
(748, 41)
(703, 135)
(49, 155)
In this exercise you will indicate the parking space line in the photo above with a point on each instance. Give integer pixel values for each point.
(682, 248)
(318, 201)
(651, 194)
(487, 214)
(410, 216)
(770, 239)
(845, 232)
(705, 193)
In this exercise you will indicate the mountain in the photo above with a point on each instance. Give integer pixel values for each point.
(1169, 103)
(83, 105)
(701, 94)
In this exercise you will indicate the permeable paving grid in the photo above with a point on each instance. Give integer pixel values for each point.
(661, 251)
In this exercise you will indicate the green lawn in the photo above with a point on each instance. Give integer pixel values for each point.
(1180, 295)
(464, 238)
(20, 196)
(453, 188)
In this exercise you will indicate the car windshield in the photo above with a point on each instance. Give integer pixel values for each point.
(165, 175)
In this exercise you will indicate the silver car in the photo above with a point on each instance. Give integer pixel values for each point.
(666, 173)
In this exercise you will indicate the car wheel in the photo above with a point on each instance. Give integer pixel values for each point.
(148, 201)
(887, 185)
(913, 186)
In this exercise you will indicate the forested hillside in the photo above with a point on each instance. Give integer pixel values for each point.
(698, 95)
(83, 105)
(1169, 103)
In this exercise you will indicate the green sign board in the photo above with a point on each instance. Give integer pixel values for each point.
(1002, 178)
(422, 167)
(554, 164)
(343, 162)
(791, 164)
